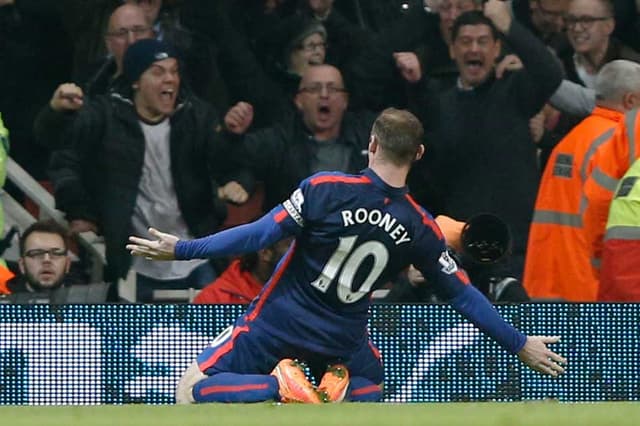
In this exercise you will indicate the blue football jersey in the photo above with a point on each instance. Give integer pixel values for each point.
(354, 233)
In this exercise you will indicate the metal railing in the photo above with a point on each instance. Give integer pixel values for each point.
(16, 214)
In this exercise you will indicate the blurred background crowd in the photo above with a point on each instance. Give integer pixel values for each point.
(197, 115)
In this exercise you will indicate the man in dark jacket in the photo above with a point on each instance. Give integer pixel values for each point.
(321, 136)
(482, 158)
(131, 159)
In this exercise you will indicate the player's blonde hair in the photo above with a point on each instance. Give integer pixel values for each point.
(399, 133)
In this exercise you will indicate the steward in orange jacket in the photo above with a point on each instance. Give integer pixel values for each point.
(609, 164)
(557, 260)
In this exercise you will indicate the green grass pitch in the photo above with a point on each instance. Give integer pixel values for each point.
(450, 414)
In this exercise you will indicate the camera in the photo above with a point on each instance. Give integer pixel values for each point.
(485, 239)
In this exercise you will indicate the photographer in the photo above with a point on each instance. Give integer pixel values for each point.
(481, 246)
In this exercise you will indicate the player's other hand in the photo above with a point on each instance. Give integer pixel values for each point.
(162, 248)
(538, 357)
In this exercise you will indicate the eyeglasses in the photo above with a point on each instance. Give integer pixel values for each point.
(316, 89)
(585, 21)
(123, 33)
(39, 254)
(311, 47)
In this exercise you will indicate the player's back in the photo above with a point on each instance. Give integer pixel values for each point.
(355, 234)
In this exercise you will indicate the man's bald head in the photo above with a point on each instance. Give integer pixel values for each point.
(127, 24)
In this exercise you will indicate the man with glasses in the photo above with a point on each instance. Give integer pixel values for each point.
(307, 46)
(44, 258)
(137, 20)
(126, 25)
(321, 136)
(44, 265)
(589, 25)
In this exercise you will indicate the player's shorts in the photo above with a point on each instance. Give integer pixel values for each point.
(250, 350)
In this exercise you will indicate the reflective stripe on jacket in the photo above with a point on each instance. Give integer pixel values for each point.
(609, 164)
(620, 275)
(557, 262)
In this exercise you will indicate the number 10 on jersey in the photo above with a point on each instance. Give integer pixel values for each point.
(346, 261)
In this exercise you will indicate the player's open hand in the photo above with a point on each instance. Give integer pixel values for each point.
(538, 357)
(162, 248)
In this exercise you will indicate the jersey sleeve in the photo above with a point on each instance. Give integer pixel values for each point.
(307, 204)
(432, 258)
(241, 239)
(452, 284)
(284, 220)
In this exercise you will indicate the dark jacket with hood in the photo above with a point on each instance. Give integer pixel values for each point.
(97, 172)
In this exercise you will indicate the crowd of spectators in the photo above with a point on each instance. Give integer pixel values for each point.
(173, 113)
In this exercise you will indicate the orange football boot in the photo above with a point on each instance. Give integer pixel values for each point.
(294, 386)
(334, 383)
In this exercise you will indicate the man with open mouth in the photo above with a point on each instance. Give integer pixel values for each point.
(322, 135)
(482, 156)
(151, 151)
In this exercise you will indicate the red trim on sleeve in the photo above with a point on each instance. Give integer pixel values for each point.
(280, 216)
(271, 284)
(365, 390)
(238, 388)
(339, 179)
(425, 219)
(462, 275)
(375, 350)
(224, 349)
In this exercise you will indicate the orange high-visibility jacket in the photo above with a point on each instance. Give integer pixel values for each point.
(557, 261)
(5, 276)
(610, 163)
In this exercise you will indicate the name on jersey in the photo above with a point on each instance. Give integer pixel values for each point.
(375, 217)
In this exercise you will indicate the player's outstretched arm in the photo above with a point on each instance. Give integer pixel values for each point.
(537, 356)
(162, 248)
(240, 239)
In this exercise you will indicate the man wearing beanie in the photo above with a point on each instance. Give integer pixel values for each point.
(149, 153)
